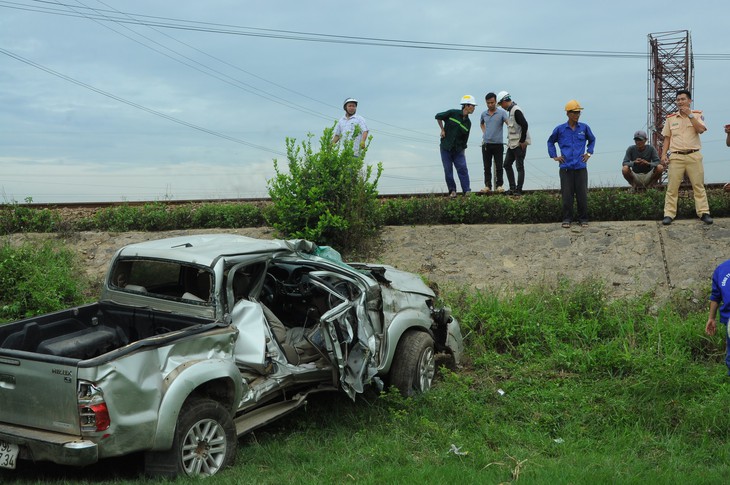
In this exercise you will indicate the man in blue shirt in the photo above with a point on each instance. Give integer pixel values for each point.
(576, 142)
(492, 121)
(720, 299)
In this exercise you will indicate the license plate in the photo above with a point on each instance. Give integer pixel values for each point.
(8, 455)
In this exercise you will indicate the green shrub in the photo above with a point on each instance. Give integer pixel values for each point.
(472, 209)
(337, 206)
(327, 196)
(37, 279)
(609, 204)
(148, 217)
(226, 215)
(16, 218)
(413, 210)
(164, 217)
(467, 210)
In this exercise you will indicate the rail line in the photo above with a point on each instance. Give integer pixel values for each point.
(91, 205)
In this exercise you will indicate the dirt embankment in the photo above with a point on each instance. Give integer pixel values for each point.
(631, 257)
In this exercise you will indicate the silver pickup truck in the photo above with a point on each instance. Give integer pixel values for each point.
(197, 340)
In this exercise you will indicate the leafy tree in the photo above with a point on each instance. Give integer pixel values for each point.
(327, 196)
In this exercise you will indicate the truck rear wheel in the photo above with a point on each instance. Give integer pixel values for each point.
(414, 364)
(205, 442)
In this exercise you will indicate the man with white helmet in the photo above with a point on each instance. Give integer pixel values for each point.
(455, 126)
(517, 140)
(351, 126)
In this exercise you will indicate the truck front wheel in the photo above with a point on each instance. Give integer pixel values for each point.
(205, 442)
(414, 364)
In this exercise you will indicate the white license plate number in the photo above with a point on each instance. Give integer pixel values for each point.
(8, 455)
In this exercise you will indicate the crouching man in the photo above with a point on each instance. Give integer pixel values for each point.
(641, 166)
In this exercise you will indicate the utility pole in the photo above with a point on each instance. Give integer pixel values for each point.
(671, 68)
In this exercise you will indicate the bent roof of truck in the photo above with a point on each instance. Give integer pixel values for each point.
(205, 249)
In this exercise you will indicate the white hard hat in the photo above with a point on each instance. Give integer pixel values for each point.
(468, 99)
(349, 100)
(503, 96)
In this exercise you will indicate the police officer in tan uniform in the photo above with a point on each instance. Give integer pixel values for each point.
(682, 141)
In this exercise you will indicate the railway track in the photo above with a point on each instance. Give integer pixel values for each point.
(264, 200)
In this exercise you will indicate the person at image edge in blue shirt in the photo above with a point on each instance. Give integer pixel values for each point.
(576, 142)
(720, 299)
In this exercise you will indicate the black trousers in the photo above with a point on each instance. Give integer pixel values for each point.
(493, 151)
(515, 155)
(574, 183)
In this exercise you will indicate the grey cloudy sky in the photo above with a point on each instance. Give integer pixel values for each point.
(100, 110)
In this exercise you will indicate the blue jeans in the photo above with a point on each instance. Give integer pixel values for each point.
(451, 160)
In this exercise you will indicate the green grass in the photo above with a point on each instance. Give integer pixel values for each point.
(559, 385)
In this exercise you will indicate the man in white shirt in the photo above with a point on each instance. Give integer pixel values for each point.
(352, 126)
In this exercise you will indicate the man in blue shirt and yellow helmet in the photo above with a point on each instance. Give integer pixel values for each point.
(576, 142)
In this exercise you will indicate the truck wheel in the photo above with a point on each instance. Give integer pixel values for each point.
(205, 442)
(414, 364)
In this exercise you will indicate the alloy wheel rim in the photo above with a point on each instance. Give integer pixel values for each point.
(204, 448)
(427, 369)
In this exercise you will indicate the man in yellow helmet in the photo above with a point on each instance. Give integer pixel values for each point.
(576, 142)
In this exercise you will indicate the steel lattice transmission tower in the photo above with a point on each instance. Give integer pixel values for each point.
(671, 68)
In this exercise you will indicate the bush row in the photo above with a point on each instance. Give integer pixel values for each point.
(157, 216)
(605, 204)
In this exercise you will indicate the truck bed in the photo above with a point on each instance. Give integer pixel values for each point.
(89, 331)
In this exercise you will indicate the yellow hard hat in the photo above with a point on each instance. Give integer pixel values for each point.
(573, 105)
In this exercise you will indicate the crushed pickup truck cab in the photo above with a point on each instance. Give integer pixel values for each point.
(197, 340)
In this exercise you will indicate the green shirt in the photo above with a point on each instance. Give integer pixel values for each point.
(457, 127)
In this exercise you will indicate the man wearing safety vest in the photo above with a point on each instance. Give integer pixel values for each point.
(517, 140)
(455, 126)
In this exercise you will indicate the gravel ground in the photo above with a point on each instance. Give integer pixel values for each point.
(631, 257)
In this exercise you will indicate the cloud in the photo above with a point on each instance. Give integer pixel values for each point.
(65, 142)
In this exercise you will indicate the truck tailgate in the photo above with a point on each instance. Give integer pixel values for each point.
(39, 393)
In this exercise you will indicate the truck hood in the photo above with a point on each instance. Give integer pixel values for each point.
(395, 279)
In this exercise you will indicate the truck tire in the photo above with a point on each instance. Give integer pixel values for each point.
(414, 364)
(205, 442)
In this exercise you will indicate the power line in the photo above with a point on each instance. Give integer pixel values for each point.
(207, 70)
(280, 86)
(203, 68)
(209, 27)
(113, 15)
(136, 105)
